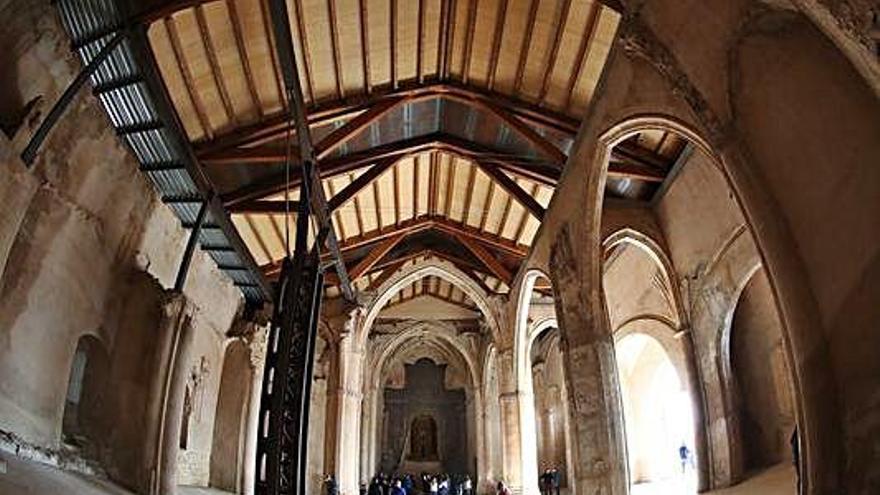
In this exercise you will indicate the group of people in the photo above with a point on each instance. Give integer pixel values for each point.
(442, 484)
(550, 481)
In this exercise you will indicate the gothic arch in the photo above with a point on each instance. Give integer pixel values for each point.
(416, 272)
(653, 249)
(436, 332)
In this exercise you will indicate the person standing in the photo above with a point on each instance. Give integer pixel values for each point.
(330, 486)
(502, 489)
(555, 480)
(684, 454)
(433, 486)
(467, 486)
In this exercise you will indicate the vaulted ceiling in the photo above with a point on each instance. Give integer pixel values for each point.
(441, 127)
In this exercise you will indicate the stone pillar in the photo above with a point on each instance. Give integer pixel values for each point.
(588, 355)
(704, 453)
(349, 397)
(528, 425)
(166, 341)
(510, 404)
(178, 317)
(252, 420)
(368, 429)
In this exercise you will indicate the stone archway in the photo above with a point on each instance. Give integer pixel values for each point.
(230, 421)
(82, 425)
(357, 411)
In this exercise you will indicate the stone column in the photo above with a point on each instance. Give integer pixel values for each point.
(511, 400)
(165, 341)
(704, 453)
(350, 395)
(179, 317)
(252, 421)
(528, 425)
(591, 371)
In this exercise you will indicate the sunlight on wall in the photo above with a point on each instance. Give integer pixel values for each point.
(657, 413)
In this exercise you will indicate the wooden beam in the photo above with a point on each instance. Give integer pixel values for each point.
(529, 134)
(421, 224)
(535, 171)
(351, 128)
(365, 179)
(554, 50)
(527, 200)
(263, 206)
(274, 127)
(364, 265)
(487, 258)
(387, 272)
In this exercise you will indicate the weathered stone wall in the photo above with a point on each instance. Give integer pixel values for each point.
(762, 377)
(87, 248)
(797, 141)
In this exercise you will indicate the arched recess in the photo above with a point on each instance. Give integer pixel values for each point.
(640, 286)
(82, 425)
(230, 421)
(758, 377)
(525, 332)
(416, 272)
(725, 463)
(657, 409)
(423, 339)
(650, 247)
(356, 412)
(551, 402)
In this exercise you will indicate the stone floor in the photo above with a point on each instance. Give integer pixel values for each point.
(18, 477)
(777, 480)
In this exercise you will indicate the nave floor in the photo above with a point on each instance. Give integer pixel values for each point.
(777, 480)
(19, 477)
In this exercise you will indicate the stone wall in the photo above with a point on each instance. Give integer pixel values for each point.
(762, 377)
(807, 189)
(86, 248)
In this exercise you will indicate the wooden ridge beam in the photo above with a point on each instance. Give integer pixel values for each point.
(528, 168)
(274, 126)
(421, 224)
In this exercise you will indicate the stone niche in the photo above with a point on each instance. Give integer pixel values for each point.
(424, 426)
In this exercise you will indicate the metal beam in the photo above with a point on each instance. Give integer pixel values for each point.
(137, 41)
(183, 270)
(311, 183)
(30, 151)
